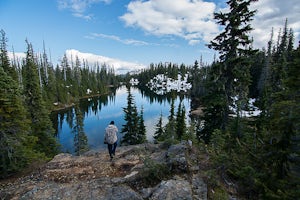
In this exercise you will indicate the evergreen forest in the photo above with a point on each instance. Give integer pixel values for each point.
(257, 155)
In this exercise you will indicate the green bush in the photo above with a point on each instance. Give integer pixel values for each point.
(169, 142)
(153, 171)
(219, 194)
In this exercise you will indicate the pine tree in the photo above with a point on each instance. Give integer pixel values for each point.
(215, 102)
(234, 46)
(282, 138)
(172, 112)
(280, 60)
(131, 117)
(265, 83)
(4, 60)
(141, 134)
(101, 79)
(47, 79)
(180, 121)
(170, 128)
(159, 133)
(256, 71)
(50, 87)
(61, 92)
(39, 116)
(77, 90)
(15, 142)
(195, 79)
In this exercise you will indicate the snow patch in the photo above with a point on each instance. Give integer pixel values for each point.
(161, 84)
(252, 110)
(134, 81)
(88, 91)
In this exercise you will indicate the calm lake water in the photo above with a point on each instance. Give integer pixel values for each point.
(97, 113)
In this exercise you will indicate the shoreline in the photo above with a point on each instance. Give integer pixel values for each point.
(61, 107)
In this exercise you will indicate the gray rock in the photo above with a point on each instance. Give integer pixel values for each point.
(172, 189)
(199, 188)
(176, 158)
(146, 192)
(122, 192)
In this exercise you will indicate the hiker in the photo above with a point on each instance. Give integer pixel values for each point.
(111, 138)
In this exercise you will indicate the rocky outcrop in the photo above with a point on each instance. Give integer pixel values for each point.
(145, 171)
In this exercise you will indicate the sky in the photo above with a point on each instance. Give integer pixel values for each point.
(131, 34)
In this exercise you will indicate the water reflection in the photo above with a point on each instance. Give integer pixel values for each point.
(83, 126)
(80, 138)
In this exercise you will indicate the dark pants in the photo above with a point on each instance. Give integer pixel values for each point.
(112, 149)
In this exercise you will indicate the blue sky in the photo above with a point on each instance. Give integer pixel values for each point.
(132, 32)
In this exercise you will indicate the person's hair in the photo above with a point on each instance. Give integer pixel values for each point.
(112, 122)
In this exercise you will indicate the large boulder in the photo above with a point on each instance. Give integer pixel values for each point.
(176, 158)
(176, 188)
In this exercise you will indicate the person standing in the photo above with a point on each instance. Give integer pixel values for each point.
(111, 138)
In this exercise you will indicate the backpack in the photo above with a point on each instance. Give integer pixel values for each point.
(111, 134)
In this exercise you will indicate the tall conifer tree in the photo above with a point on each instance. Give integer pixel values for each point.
(141, 134)
(131, 117)
(38, 114)
(15, 142)
(4, 60)
(159, 133)
(170, 128)
(215, 103)
(234, 47)
(180, 121)
(282, 149)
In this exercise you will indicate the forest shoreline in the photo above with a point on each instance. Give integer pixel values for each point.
(61, 107)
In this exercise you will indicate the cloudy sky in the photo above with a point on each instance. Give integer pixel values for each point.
(132, 33)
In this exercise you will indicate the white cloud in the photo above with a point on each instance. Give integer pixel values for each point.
(118, 39)
(119, 66)
(272, 14)
(191, 20)
(133, 42)
(79, 15)
(79, 7)
(194, 42)
(18, 56)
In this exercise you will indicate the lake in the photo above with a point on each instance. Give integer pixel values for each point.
(98, 111)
